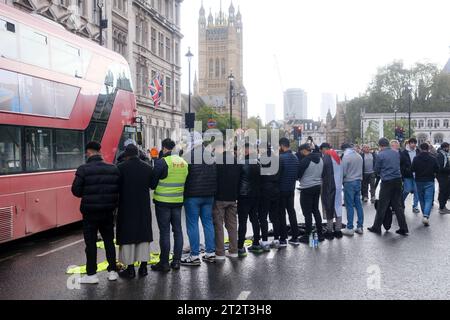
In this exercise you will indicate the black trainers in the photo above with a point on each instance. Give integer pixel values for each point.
(159, 267)
(175, 265)
(283, 244)
(329, 235)
(210, 258)
(402, 232)
(338, 234)
(294, 241)
(191, 261)
(128, 273)
(143, 272)
(321, 238)
(372, 229)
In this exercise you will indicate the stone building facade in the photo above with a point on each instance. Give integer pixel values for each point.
(427, 126)
(221, 53)
(336, 128)
(147, 33)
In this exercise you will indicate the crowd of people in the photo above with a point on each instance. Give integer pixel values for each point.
(225, 194)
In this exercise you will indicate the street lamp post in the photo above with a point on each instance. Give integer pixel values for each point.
(189, 56)
(258, 120)
(231, 79)
(394, 107)
(242, 111)
(409, 111)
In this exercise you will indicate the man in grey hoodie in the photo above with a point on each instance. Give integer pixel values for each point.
(352, 163)
(310, 176)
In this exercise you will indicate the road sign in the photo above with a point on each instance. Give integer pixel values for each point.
(212, 123)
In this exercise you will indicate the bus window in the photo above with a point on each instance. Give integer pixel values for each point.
(66, 58)
(10, 150)
(69, 149)
(38, 149)
(36, 96)
(128, 133)
(34, 48)
(8, 44)
(9, 91)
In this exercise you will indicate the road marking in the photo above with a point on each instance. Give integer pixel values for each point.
(243, 295)
(60, 248)
(10, 257)
(271, 254)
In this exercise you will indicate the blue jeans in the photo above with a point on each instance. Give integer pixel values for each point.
(167, 216)
(409, 186)
(425, 190)
(200, 207)
(352, 199)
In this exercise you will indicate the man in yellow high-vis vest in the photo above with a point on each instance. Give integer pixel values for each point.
(170, 174)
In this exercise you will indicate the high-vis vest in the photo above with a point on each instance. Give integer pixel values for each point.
(171, 189)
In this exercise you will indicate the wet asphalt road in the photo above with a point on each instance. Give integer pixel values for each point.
(413, 267)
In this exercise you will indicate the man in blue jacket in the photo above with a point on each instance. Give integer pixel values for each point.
(289, 166)
(387, 166)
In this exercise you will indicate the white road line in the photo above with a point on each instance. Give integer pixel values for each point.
(243, 295)
(271, 254)
(60, 248)
(10, 257)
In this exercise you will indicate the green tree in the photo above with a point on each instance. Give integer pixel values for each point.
(389, 90)
(223, 120)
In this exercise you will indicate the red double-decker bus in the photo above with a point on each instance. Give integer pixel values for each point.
(57, 92)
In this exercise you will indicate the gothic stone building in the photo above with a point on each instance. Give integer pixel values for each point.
(336, 128)
(220, 53)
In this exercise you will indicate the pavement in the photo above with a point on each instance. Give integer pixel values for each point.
(366, 266)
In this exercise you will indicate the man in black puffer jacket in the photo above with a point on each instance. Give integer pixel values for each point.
(269, 202)
(199, 191)
(249, 191)
(97, 184)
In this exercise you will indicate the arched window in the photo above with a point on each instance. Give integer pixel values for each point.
(217, 68)
(437, 123)
(421, 123)
(446, 123)
(438, 138)
(223, 68)
(414, 123)
(211, 68)
(421, 138)
(430, 123)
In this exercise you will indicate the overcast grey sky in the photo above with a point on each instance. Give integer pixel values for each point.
(325, 45)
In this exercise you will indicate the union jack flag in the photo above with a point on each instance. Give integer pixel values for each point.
(156, 89)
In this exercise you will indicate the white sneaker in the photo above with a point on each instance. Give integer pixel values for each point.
(113, 276)
(231, 255)
(348, 232)
(220, 257)
(88, 279)
(426, 221)
(359, 230)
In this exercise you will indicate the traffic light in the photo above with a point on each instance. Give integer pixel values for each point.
(400, 134)
(297, 133)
